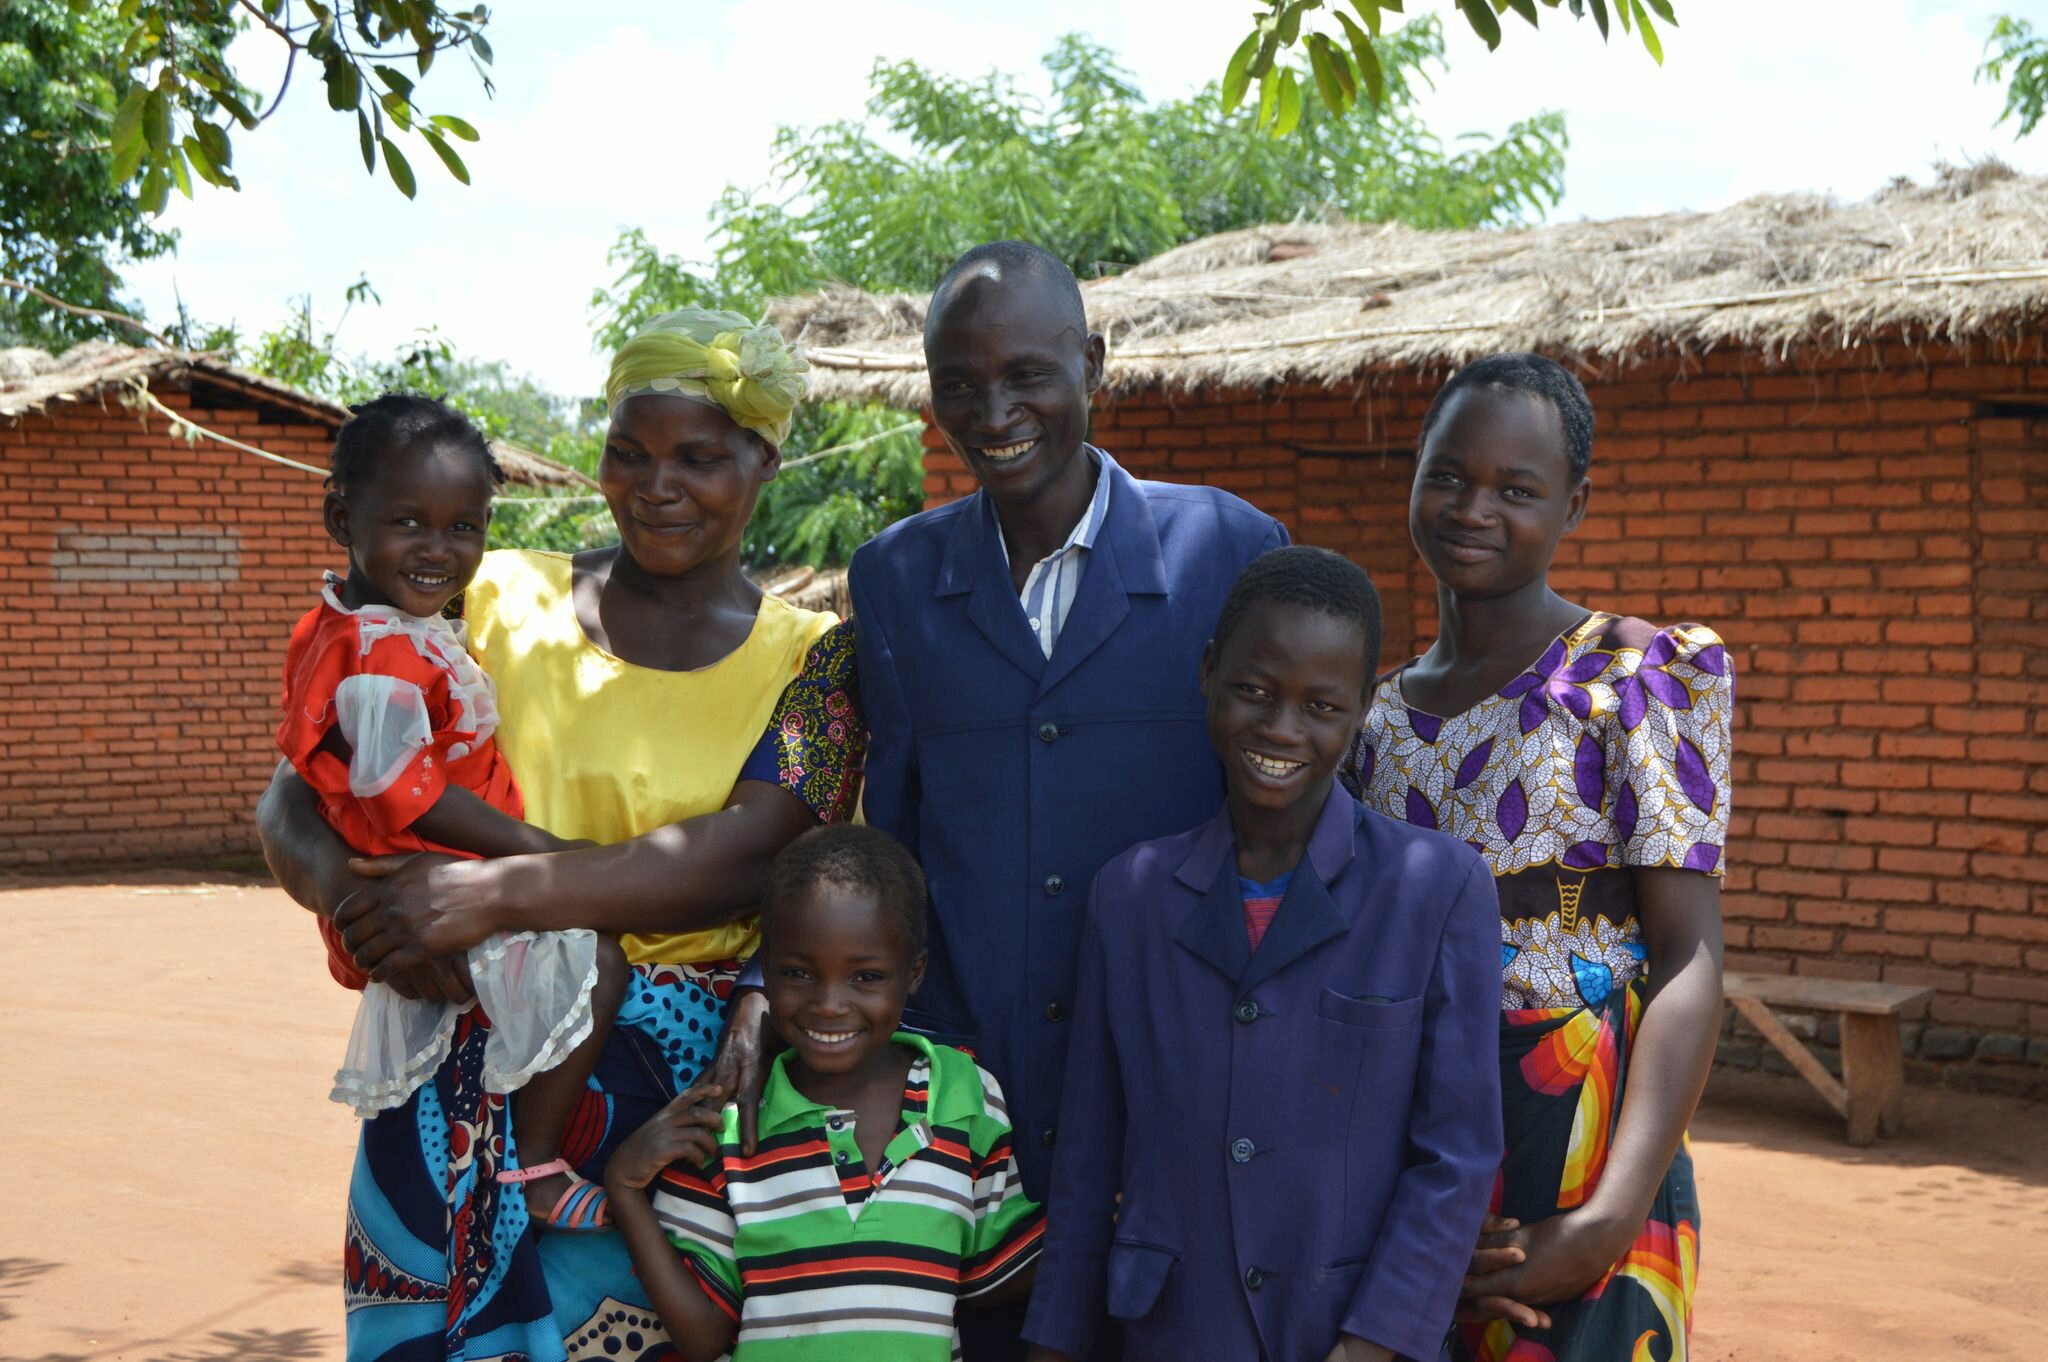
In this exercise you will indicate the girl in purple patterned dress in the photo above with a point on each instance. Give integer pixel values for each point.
(1585, 755)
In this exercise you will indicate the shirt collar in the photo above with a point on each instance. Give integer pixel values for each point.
(784, 1108)
(1082, 536)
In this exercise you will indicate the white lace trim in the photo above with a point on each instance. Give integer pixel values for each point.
(441, 641)
(367, 1095)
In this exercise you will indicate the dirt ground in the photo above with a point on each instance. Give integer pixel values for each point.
(176, 1171)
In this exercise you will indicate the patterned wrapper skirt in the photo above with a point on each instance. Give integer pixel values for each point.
(441, 1261)
(1562, 1070)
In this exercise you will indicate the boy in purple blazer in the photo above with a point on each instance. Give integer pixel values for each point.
(1284, 1035)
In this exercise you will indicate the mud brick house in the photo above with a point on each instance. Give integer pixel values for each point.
(148, 582)
(1823, 429)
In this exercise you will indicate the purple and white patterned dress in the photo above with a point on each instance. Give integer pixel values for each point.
(1611, 752)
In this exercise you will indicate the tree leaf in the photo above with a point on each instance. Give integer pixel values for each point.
(1665, 12)
(219, 153)
(1368, 11)
(156, 191)
(1341, 68)
(203, 162)
(1368, 61)
(1326, 78)
(230, 101)
(1600, 17)
(1651, 42)
(454, 127)
(344, 83)
(1624, 11)
(127, 136)
(369, 142)
(1480, 15)
(181, 174)
(394, 79)
(482, 47)
(398, 168)
(1237, 76)
(1288, 116)
(156, 123)
(447, 154)
(1525, 8)
(1269, 97)
(1289, 27)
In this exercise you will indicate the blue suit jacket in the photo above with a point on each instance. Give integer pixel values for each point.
(1014, 777)
(1305, 1137)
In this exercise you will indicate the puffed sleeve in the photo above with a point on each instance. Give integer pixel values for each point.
(1009, 1227)
(1674, 708)
(816, 741)
(689, 1202)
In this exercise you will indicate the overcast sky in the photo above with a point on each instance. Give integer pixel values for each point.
(611, 114)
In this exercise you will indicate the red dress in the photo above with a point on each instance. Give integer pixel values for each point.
(415, 713)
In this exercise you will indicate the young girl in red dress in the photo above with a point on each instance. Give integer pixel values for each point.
(390, 720)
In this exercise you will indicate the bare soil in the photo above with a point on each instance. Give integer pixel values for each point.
(176, 1173)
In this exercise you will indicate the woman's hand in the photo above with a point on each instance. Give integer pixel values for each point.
(1559, 1258)
(413, 910)
(687, 1128)
(1352, 1348)
(741, 1064)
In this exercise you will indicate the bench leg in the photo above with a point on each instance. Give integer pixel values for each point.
(1875, 1074)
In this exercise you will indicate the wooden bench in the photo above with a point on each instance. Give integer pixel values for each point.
(1870, 1094)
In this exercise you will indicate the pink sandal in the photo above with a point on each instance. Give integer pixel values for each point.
(584, 1209)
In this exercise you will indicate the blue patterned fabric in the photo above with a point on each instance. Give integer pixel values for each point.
(442, 1261)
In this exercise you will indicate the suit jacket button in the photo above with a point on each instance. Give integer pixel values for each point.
(1054, 885)
(1047, 1138)
(1054, 1012)
(1246, 1011)
(1048, 732)
(1242, 1150)
(1253, 1279)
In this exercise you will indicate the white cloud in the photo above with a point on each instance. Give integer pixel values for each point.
(617, 115)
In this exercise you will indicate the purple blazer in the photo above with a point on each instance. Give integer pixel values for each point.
(1305, 1138)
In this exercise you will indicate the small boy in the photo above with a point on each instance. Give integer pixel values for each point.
(1283, 1060)
(882, 1189)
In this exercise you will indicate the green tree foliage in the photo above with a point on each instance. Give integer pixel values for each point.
(1098, 174)
(1347, 60)
(2018, 56)
(180, 103)
(65, 226)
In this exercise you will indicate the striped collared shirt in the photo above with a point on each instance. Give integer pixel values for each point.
(1048, 594)
(819, 1259)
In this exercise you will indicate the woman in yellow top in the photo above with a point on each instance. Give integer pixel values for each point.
(651, 700)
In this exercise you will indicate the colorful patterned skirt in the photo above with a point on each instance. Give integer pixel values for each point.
(1562, 1070)
(441, 1262)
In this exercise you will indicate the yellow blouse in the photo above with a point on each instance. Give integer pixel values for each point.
(607, 750)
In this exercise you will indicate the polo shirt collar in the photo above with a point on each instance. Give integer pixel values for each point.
(783, 1108)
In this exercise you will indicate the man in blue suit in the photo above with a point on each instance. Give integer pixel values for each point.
(1029, 667)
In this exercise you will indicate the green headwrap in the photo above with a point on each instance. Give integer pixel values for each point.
(722, 358)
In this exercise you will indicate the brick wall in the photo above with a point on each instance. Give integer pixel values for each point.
(150, 586)
(1869, 531)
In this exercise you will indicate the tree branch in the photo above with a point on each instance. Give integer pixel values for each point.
(56, 302)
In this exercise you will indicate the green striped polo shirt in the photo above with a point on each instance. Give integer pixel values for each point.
(817, 1258)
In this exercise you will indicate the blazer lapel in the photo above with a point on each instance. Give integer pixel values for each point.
(1308, 915)
(974, 567)
(1214, 928)
(1126, 561)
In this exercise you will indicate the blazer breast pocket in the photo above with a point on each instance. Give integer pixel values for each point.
(1371, 1013)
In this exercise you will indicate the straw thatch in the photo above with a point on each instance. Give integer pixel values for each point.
(1322, 303)
(32, 380)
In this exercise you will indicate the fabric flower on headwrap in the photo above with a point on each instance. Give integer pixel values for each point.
(720, 358)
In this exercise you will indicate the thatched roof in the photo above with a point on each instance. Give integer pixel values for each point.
(1326, 302)
(32, 380)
